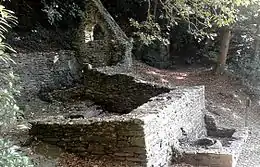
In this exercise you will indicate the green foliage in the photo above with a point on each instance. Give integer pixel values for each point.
(148, 32)
(8, 108)
(63, 12)
(204, 14)
(9, 157)
(203, 17)
(245, 43)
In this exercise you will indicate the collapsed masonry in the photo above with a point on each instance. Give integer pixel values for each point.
(148, 125)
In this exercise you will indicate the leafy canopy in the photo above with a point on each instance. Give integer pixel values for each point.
(203, 17)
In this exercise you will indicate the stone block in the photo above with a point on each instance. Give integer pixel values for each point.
(221, 151)
(209, 159)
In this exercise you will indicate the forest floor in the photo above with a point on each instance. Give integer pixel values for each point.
(225, 98)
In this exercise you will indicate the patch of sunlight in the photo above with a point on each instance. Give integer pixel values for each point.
(179, 78)
(164, 80)
(236, 116)
(151, 72)
(179, 74)
(56, 58)
(225, 109)
(183, 74)
(240, 101)
(22, 126)
(235, 95)
(154, 73)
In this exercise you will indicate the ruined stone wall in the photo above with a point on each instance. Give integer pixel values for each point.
(115, 92)
(119, 46)
(98, 53)
(118, 93)
(116, 138)
(157, 56)
(182, 116)
(39, 70)
(145, 136)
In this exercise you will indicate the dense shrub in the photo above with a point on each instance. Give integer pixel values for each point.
(8, 89)
(9, 156)
(245, 47)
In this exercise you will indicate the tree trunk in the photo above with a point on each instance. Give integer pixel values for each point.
(257, 44)
(155, 9)
(255, 59)
(225, 40)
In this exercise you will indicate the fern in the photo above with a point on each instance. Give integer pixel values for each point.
(9, 156)
(8, 108)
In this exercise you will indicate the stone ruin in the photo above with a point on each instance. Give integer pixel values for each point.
(99, 40)
(141, 123)
(169, 127)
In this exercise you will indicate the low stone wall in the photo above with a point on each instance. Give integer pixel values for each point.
(115, 91)
(181, 115)
(120, 93)
(145, 136)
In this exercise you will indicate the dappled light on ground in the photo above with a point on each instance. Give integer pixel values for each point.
(162, 74)
(164, 80)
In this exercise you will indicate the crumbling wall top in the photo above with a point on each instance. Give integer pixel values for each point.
(112, 48)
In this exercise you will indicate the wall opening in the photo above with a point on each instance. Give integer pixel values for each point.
(98, 32)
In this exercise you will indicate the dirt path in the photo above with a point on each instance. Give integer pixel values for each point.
(251, 153)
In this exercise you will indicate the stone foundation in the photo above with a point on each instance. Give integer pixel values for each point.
(145, 136)
(224, 155)
(221, 147)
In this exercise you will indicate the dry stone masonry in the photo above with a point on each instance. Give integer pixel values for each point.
(169, 127)
(40, 72)
(221, 147)
(115, 92)
(145, 136)
(113, 48)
